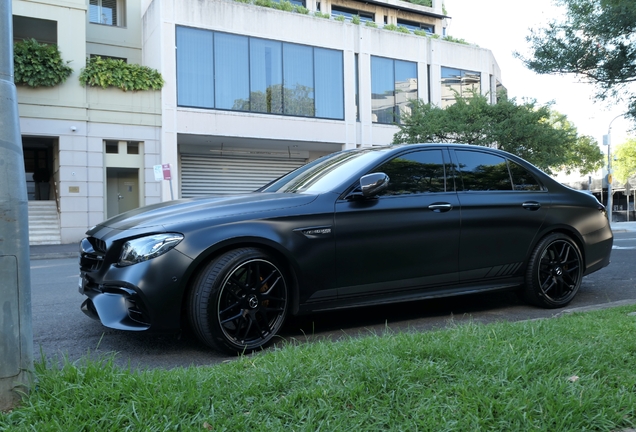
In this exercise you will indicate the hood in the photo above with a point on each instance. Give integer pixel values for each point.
(210, 207)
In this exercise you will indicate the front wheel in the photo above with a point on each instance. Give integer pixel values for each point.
(555, 271)
(239, 301)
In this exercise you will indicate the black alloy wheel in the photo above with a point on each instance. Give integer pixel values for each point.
(239, 301)
(554, 273)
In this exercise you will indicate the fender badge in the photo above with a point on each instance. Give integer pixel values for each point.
(315, 231)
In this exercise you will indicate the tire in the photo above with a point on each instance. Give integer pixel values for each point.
(239, 301)
(554, 273)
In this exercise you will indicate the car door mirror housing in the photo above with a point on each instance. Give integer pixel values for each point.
(373, 184)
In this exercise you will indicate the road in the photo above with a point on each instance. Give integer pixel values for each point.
(61, 330)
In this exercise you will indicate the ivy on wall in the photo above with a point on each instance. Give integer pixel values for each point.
(108, 72)
(38, 65)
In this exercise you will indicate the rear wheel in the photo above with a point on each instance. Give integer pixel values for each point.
(554, 272)
(239, 301)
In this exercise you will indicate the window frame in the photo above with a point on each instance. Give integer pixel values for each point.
(119, 15)
(397, 107)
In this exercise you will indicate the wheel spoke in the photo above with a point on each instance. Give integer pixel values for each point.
(232, 306)
(232, 318)
(247, 323)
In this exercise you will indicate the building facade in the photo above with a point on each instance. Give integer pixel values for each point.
(250, 92)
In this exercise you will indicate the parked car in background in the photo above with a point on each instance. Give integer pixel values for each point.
(355, 228)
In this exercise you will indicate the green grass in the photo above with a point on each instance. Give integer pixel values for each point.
(573, 373)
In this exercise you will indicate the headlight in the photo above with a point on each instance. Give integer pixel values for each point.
(145, 248)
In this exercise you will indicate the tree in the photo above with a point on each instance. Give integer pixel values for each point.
(596, 41)
(538, 134)
(624, 164)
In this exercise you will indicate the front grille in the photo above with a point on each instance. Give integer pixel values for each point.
(92, 251)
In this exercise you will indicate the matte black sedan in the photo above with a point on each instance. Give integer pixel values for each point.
(355, 228)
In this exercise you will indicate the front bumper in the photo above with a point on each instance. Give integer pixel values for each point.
(117, 308)
(144, 296)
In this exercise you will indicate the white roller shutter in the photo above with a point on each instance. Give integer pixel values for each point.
(204, 175)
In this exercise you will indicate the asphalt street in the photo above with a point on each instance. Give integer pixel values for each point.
(62, 331)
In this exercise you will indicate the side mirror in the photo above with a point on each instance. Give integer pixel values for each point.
(372, 184)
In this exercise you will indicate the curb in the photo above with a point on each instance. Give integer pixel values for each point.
(53, 255)
(609, 305)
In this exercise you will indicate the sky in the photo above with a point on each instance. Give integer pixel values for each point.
(502, 26)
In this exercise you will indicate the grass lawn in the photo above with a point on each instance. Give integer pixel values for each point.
(576, 372)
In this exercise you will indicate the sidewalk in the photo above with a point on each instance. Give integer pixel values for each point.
(39, 252)
(72, 250)
(624, 227)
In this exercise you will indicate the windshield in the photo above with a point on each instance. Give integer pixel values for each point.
(324, 174)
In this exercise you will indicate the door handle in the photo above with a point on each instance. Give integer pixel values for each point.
(531, 205)
(440, 207)
(119, 197)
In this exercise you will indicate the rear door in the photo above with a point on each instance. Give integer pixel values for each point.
(500, 217)
(406, 238)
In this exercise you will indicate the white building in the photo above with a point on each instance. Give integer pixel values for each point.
(250, 92)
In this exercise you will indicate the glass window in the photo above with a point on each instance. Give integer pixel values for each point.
(298, 70)
(415, 173)
(350, 13)
(132, 147)
(357, 81)
(240, 73)
(382, 90)
(483, 171)
(42, 30)
(111, 147)
(405, 86)
(393, 86)
(266, 76)
(232, 86)
(108, 12)
(458, 82)
(329, 83)
(195, 79)
(522, 179)
(413, 25)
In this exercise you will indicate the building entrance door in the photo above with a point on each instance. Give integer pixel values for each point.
(38, 167)
(122, 190)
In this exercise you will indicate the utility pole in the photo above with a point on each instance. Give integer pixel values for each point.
(16, 334)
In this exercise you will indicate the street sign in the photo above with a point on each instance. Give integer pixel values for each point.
(158, 172)
(166, 171)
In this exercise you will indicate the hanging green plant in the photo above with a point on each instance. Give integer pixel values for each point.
(38, 65)
(108, 72)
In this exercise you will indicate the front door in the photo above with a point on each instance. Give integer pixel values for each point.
(122, 189)
(405, 239)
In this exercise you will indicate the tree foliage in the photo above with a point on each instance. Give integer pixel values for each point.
(535, 133)
(624, 164)
(596, 41)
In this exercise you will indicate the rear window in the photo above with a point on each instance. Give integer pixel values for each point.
(483, 171)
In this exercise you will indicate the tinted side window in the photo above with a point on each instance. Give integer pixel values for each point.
(522, 178)
(483, 171)
(414, 173)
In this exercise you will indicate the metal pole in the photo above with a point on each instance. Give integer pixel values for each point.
(609, 173)
(16, 335)
(609, 168)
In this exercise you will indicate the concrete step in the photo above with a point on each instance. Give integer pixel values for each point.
(44, 223)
